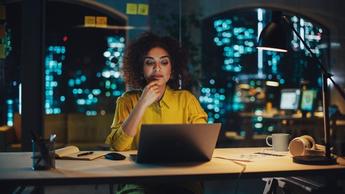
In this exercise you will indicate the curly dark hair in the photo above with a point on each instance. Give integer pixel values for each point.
(133, 60)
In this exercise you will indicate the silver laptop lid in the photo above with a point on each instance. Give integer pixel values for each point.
(171, 143)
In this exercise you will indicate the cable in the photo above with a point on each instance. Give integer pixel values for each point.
(239, 176)
(238, 162)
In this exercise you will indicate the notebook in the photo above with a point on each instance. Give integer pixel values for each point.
(172, 143)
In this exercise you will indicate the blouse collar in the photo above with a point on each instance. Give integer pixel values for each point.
(167, 97)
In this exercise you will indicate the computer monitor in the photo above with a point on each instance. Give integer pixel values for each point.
(308, 99)
(289, 99)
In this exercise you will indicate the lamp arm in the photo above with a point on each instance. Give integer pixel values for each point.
(323, 69)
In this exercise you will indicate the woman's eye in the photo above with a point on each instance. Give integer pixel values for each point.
(165, 61)
(149, 62)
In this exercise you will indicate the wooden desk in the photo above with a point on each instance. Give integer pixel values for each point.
(16, 169)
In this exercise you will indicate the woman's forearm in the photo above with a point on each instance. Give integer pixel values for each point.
(131, 123)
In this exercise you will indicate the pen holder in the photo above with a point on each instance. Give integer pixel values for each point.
(43, 154)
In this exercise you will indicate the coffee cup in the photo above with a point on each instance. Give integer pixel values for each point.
(302, 145)
(278, 141)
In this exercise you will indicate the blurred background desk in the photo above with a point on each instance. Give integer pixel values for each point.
(253, 129)
(295, 125)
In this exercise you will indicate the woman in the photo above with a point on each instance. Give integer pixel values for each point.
(155, 66)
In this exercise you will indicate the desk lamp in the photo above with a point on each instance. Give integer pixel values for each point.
(273, 37)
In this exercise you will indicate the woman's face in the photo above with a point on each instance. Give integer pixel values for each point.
(157, 66)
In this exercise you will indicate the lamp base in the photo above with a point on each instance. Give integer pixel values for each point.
(314, 160)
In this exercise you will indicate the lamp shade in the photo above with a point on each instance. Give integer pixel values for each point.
(274, 37)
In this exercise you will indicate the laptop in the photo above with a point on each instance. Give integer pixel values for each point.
(174, 143)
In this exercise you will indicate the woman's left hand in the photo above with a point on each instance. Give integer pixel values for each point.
(151, 93)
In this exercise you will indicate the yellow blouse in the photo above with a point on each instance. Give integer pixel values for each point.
(176, 106)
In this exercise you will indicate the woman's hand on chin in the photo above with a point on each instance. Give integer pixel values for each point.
(151, 93)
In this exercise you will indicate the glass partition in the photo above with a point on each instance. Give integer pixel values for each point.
(235, 83)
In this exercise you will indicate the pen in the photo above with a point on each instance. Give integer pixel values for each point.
(84, 154)
(233, 159)
(268, 154)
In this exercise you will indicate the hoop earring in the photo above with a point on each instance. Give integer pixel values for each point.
(179, 81)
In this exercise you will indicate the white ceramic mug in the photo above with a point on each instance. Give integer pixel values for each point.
(280, 141)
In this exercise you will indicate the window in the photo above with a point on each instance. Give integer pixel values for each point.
(239, 78)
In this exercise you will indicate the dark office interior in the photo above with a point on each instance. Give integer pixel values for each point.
(60, 73)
